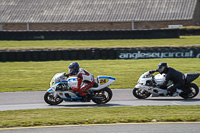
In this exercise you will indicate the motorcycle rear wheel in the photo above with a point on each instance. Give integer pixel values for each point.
(106, 93)
(140, 95)
(49, 98)
(193, 89)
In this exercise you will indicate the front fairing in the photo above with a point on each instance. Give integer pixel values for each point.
(59, 77)
(50, 90)
(145, 77)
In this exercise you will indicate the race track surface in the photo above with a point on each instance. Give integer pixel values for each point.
(121, 97)
(111, 128)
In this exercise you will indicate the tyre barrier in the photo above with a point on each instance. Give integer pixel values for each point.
(189, 32)
(89, 35)
(97, 35)
(101, 53)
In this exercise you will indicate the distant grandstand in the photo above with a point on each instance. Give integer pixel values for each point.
(97, 14)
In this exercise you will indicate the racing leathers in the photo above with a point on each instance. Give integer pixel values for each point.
(85, 81)
(177, 77)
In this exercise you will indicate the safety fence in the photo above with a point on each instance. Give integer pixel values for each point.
(100, 53)
(89, 35)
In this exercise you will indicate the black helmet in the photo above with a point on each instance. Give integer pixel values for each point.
(162, 67)
(73, 68)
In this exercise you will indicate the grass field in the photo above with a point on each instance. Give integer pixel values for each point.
(63, 44)
(35, 76)
(43, 117)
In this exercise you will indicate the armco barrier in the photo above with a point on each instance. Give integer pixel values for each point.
(89, 35)
(101, 53)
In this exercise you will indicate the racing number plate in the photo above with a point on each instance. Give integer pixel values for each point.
(52, 83)
(103, 81)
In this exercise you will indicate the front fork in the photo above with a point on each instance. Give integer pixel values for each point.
(55, 94)
(141, 90)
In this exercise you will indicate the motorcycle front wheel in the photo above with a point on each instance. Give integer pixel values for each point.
(49, 98)
(141, 94)
(103, 96)
(192, 90)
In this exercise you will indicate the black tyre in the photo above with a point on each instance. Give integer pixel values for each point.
(192, 91)
(106, 93)
(49, 98)
(138, 93)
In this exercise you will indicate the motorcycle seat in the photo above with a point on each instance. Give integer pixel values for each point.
(189, 77)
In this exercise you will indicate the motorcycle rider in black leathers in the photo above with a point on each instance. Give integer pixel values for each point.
(177, 77)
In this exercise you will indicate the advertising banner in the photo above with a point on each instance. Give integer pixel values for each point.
(146, 53)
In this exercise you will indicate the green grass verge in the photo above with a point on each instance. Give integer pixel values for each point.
(63, 44)
(35, 76)
(101, 115)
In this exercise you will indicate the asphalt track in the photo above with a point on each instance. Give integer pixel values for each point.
(111, 128)
(121, 97)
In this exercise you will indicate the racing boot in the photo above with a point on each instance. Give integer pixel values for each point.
(173, 94)
(86, 98)
(169, 93)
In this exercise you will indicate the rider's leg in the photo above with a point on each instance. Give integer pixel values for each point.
(171, 89)
(85, 88)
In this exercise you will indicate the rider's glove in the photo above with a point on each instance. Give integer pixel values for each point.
(67, 75)
(152, 71)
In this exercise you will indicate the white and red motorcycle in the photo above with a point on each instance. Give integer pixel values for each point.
(146, 86)
(60, 90)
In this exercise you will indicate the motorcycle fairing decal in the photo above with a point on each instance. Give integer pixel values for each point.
(72, 79)
(52, 83)
(49, 90)
(73, 98)
(103, 81)
(58, 83)
(105, 77)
